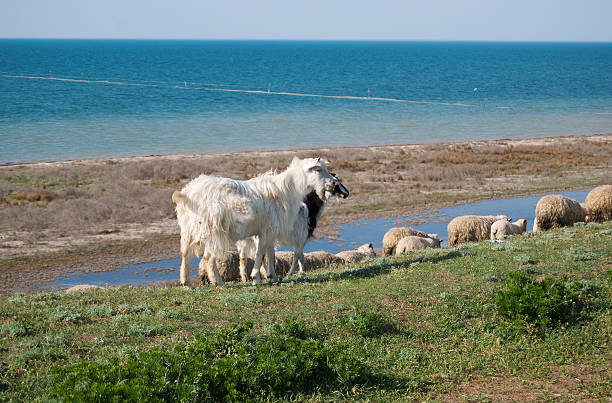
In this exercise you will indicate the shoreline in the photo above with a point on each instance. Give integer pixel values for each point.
(129, 217)
(174, 156)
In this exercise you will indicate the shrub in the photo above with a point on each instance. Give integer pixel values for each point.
(103, 311)
(523, 258)
(65, 315)
(580, 254)
(231, 365)
(12, 329)
(368, 324)
(549, 302)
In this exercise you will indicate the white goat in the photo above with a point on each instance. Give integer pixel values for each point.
(297, 234)
(214, 213)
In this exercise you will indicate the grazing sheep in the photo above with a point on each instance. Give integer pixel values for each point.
(471, 228)
(500, 228)
(416, 242)
(214, 213)
(353, 256)
(393, 236)
(555, 211)
(598, 204)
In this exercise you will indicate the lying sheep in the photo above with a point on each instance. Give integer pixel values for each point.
(500, 228)
(353, 256)
(229, 265)
(393, 236)
(555, 211)
(416, 242)
(471, 228)
(598, 204)
(83, 288)
(318, 259)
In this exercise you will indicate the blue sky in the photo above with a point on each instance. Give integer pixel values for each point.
(489, 20)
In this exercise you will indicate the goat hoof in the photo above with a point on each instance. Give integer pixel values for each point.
(256, 281)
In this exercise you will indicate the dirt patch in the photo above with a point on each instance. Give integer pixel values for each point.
(86, 214)
(564, 383)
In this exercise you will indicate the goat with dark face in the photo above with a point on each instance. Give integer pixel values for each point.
(297, 234)
(315, 204)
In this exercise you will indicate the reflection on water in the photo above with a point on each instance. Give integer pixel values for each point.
(349, 236)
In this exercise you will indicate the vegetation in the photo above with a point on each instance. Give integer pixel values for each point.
(543, 303)
(44, 200)
(466, 323)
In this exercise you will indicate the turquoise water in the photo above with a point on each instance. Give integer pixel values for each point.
(67, 99)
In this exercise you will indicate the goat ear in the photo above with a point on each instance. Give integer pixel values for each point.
(311, 163)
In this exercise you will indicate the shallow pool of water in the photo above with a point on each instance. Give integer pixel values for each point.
(350, 236)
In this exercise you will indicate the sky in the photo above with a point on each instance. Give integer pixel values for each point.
(463, 20)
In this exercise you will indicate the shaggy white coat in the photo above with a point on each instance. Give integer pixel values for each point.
(215, 213)
(294, 236)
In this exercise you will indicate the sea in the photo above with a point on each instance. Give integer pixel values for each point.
(74, 99)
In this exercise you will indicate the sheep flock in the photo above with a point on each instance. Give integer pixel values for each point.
(236, 225)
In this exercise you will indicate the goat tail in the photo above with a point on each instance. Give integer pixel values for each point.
(180, 198)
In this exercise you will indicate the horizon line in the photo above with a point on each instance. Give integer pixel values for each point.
(306, 40)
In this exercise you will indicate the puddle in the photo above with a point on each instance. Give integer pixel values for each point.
(348, 236)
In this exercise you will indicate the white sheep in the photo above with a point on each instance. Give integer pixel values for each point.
(214, 213)
(598, 204)
(471, 228)
(416, 242)
(392, 237)
(352, 256)
(500, 228)
(555, 211)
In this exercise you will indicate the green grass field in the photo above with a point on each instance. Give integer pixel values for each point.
(424, 326)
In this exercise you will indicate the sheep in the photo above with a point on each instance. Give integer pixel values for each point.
(500, 228)
(352, 256)
(318, 259)
(229, 265)
(297, 234)
(598, 204)
(214, 213)
(392, 237)
(83, 288)
(555, 211)
(416, 242)
(471, 228)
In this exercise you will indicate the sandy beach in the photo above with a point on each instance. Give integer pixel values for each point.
(90, 214)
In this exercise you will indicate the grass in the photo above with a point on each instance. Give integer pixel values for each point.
(424, 326)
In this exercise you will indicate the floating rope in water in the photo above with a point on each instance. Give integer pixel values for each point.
(161, 84)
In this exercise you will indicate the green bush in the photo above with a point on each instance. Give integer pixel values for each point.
(364, 323)
(231, 365)
(12, 329)
(546, 303)
(523, 258)
(581, 254)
